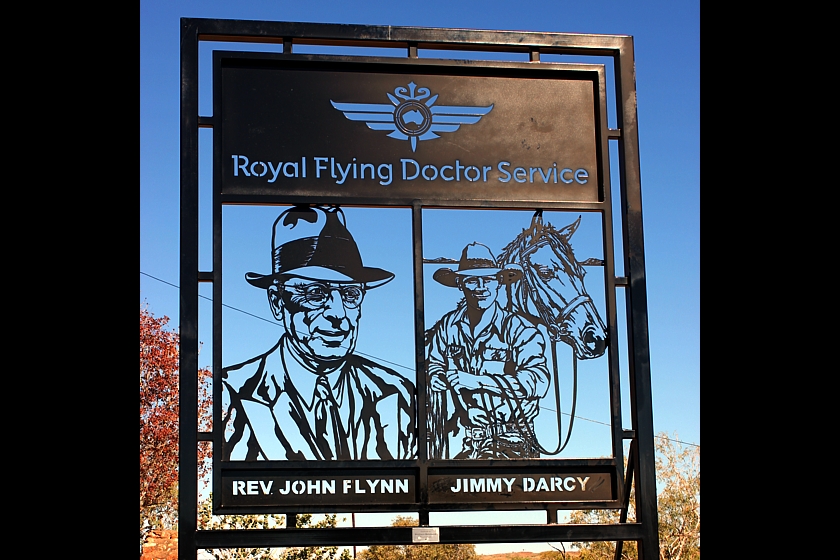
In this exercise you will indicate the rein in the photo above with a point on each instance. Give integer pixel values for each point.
(561, 444)
(562, 316)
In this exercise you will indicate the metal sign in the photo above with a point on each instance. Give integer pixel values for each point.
(288, 132)
(418, 232)
(374, 132)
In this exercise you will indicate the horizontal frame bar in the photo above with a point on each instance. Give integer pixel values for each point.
(365, 536)
(404, 37)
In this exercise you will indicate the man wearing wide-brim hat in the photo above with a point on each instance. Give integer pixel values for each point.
(485, 365)
(311, 396)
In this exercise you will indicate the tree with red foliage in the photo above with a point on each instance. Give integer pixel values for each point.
(159, 422)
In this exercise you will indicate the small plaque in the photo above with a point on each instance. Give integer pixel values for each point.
(511, 487)
(425, 534)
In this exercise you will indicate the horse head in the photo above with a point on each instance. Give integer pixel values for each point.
(552, 286)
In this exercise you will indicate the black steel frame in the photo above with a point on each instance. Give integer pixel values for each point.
(641, 456)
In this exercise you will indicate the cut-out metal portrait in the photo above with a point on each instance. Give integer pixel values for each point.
(487, 363)
(310, 396)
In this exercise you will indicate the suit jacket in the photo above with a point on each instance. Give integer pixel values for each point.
(271, 418)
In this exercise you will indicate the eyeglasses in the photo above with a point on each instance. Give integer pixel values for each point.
(318, 293)
(473, 282)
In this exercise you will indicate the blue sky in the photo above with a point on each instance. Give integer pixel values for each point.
(667, 48)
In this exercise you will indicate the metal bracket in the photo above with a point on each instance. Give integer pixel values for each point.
(628, 485)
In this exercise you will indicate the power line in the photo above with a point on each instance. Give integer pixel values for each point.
(579, 417)
(274, 323)
(211, 299)
(677, 441)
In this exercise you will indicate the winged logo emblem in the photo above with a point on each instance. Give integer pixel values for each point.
(412, 115)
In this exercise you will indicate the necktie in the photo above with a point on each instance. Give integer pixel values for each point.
(329, 434)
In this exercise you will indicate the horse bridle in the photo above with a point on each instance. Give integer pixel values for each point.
(544, 311)
(579, 300)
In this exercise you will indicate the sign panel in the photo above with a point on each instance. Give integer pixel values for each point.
(379, 131)
(512, 330)
(512, 487)
(304, 489)
(312, 382)
(515, 334)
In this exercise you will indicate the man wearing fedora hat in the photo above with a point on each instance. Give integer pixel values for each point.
(311, 396)
(485, 365)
